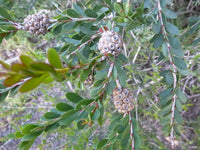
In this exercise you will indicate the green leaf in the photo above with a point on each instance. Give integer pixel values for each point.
(156, 28)
(58, 29)
(84, 74)
(184, 72)
(81, 124)
(72, 41)
(53, 58)
(177, 116)
(108, 2)
(68, 26)
(118, 8)
(102, 143)
(12, 79)
(31, 84)
(85, 27)
(72, 13)
(51, 127)
(69, 119)
(125, 138)
(63, 107)
(122, 76)
(165, 93)
(81, 57)
(3, 96)
(4, 14)
(169, 14)
(180, 63)
(181, 96)
(18, 134)
(169, 78)
(26, 145)
(172, 29)
(179, 105)
(18, 67)
(174, 42)
(177, 52)
(4, 65)
(83, 102)
(158, 41)
(91, 13)
(31, 136)
(39, 66)
(73, 97)
(165, 49)
(78, 9)
(27, 129)
(51, 115)
(95, 115)
(26, 60)
(165, 110)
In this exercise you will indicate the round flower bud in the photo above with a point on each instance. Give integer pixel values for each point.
(110, 43)
(37, 23)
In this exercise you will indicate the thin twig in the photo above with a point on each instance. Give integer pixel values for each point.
(173, 73)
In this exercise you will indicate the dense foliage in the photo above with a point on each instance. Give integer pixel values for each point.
(152, 66)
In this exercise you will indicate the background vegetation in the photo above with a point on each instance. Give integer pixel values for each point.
(143, 71)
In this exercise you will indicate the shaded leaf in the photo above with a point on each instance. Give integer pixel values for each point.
(91, 13)
(181, 96)
(4, 14)
(83, 102)
(72, 13)
(172, 29)
(169, 14)
(180, 63)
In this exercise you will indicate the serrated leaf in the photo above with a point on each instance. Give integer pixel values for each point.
(177, 116)
(156, 28)
(4, 14)
(172, 29)
(72, 13)
(83, 102)
(51, 115)
(180, 63)
(73, 97)
(181, 96)
(158, 41)
(165, 49)
(169, 14)
(53, 58)
(31, 136)
(91, 13)
(174, 42)
(63, 107)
